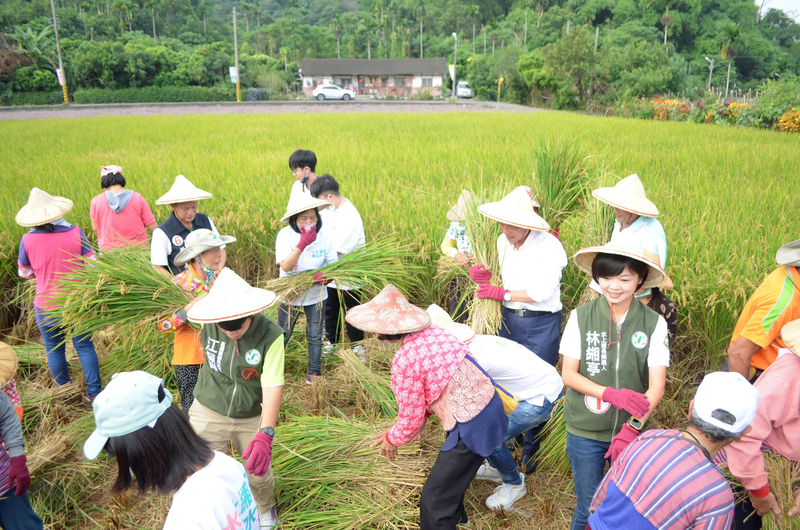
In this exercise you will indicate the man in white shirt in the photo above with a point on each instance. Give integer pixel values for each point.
(303, 164)
(344, 223)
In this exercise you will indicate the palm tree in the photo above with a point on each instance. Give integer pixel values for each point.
(474, 12)
(152, 5)
(483, 30)
(336, 26)
(732, 33)
(666, 19)
(420, 9)
(202, 10)
(365, 27)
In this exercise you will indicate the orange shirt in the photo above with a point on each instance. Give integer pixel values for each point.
(775, 303)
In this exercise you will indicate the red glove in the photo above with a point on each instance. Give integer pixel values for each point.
(319, 279)
(480, 274)
(307, 237)
(625, 436)
(258, 454)
(19, 473)
(491, 292)
(627, 400)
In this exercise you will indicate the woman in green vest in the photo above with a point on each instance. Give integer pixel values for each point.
(615, 356)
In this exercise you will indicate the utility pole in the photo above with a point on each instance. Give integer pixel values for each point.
(455, 66)
(236, 54)
(710, 70)
(569, 23)
(596, 36)
(526, 29)
(62, 78)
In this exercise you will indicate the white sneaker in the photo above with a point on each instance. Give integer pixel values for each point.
(328, 348)
(269, 519)
(487, 472)
(361, 351)
(506, 495)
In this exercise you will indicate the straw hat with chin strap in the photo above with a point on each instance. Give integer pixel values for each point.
(301, 202)
(628, 194)
(459, 210)
(230, 298)
(389, 313)
(183, 191)
(516, 209)
(42, 208)
(8, 364)
(789, 254)
(790, 333)
(198, 241)
(439, 317)
(655, 274)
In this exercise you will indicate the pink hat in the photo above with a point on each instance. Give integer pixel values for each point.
(389, 313)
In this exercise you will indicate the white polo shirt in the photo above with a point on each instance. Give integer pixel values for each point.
(346, 227)
(315, 256)
(536, 268)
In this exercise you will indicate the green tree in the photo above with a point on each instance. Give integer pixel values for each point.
(420, 7)
(571, 59)
(731, 35)
(337, 28)
(474, 12)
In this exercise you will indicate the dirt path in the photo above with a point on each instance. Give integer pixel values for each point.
(273, 107)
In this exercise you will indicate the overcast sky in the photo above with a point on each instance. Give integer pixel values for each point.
(790, 7)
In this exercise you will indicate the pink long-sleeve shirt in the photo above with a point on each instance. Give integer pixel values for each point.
(777, 423)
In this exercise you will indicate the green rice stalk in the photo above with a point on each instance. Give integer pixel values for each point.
(448, 271)
(375, 386)
(552, 452)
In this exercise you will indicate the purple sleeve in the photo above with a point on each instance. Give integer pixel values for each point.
(23, 256)
(86, 247)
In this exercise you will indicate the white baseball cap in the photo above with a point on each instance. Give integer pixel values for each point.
(728, 392)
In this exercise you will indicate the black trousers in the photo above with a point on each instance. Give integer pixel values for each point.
(333, 315)
(458, 307)
(744, 510)
(441, 505)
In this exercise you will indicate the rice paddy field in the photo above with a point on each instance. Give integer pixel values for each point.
(728, 200)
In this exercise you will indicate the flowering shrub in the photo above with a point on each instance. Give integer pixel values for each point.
(670, 109)
(790, 121)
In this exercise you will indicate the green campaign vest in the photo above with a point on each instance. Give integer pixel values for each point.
(230, 379)
(621, 365)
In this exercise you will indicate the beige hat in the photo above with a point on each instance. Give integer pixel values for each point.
(515, 209)
(789, 254)
(389, 313)
(652, 256)
(458, 211)
(655, 274)
(301, 202)
(439, 317)
(183, 191)
(198, 242)
(790, 333)
(42, 208)
(628, 195)
(230, 298)
(8, 364)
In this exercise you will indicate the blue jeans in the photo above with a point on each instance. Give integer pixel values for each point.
(16, 513)
(315, 313)
(525, 416)
(55, 344)
(587, 458)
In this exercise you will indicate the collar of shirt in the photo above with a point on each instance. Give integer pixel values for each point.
(535, 267)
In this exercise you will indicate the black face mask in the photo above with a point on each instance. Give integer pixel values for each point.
(232, 325)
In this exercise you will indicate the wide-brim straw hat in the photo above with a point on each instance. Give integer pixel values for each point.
(183, 191)
(789, 254)
(389, 313)
(8, 364)
(439, 317)
(515, 209)
(198, 242)
(300, 203)
(230, 298)
(458, 212)
(655, 274)
(790, 333)
(652, 256)
(628, 194)
(42, 208)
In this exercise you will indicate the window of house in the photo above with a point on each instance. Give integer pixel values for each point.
(400, 81)
(427, 81)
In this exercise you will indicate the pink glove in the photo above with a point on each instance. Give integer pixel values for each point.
(307, 237)
(491, 292)
(480, 274)
(19, 473)
(258, 454)
(627, 400)
(625, 436)
(319, 279)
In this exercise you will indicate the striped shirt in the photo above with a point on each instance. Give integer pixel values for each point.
(665, 483)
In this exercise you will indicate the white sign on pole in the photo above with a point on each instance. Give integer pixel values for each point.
(60, 77)
(452, 69)
(234, 74)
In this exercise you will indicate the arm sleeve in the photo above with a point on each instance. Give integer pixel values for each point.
(745, 459)
(24, 268)
(714, 521)
(571, 339)
(658, 353)
(282, 246)
(769, 315)
(160, 248)
(548, 282)
(10, 427)
(352, 233)
(86, 247)
(449, 247)
(174, 322)
(147, 214)
(600, 494)
(411, 406)
(272, 372)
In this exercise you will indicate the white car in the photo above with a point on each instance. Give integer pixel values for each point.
(463, 90)
(323, 92)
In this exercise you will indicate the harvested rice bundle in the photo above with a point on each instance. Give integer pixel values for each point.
(553, 449)
(355, 384)
(784, 477)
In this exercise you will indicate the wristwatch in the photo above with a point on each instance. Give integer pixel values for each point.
(507, 296)
(636, 423)
(269, 431)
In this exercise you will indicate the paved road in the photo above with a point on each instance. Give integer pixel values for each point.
(265, 107)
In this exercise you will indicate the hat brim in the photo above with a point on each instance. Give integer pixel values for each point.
(189, 253)
(454, 216)
(211, 310)
(585, 257)
(165, 199)
(317, 203)
(42, 215)
(495, 211)
(365, 318)
(790, 334)
(643, 207)
(94, 445)
(789, 254)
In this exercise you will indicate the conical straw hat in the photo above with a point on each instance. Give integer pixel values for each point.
(628, 195)
(439, 317)
(42, 208)
(389, 313)
(655, 274)
(183, 191)
(8, 364)
(652, 256)
(789, 254)
(301, 202)
(458, 211)
(515, 209)
(790, 333)
(230, 298)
